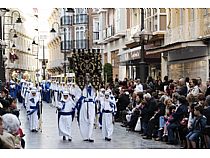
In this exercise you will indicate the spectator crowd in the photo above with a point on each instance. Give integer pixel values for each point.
(172, 111)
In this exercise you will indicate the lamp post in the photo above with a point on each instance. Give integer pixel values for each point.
(43, 61)
(2, 49)
(19, 20)
(142, 37)
(65, 24)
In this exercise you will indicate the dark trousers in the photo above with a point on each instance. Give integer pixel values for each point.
(152, 127)
(172, 127)
(144, 127)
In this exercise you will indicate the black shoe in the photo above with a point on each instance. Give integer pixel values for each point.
(108, 139)
(64, 138)
(147, 137)
(86, 140)
(69, 140)
(91, 140)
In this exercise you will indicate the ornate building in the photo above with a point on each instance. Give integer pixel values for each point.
(21, 59)
(71, 31)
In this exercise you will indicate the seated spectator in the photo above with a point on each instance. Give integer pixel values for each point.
(8, 139)
(148, 111)
(132, 108)
(5, 106)
(206, 113)
(153, 123)
(13, 107)
(135, 113)
(197, 127)
(168, 118)
(182, 88)
(181, 112)
(202, 87)
(194, 89)
(4, 94)
(123, 102)
(201, 99)
(208, 88)
(139, 86)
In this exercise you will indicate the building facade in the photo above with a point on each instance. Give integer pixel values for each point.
(21, 59)
(118, 26)
(112, 26)
(186, 44)
(73, 31)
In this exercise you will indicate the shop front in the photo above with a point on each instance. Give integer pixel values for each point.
(131, 59)
(189, 62)
(183, 59)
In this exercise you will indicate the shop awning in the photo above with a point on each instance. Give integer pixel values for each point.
(174, 46)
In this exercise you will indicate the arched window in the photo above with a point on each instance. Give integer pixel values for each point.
(80, 37)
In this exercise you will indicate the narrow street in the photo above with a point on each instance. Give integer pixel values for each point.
(49, 138)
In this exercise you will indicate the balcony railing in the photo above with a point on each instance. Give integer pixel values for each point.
(95, 35)
(81, 19)
(81, 44)
(131, 31)
(110, 31)
(66, 46)
(66, 20)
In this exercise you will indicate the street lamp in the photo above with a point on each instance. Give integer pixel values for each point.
(43, 61)
(142, 37)
(3, 45)
(70, 11)
(19, 20)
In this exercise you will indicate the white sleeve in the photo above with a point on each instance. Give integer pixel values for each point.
(59, 105)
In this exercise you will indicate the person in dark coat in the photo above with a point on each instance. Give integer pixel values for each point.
(154, 121)
(182, 90)
(123, 102)
(148, 111)
(5, 105)
(181, 112)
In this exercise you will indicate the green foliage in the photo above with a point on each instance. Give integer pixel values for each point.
(108, 74)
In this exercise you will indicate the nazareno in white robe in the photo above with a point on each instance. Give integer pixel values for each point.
(32, 112)
(87, 113)
(107, 109)
(65, 117)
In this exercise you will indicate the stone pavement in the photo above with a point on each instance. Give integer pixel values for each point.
(49, 138)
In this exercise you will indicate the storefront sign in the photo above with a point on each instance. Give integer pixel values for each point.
(134, 55)
(130, 54)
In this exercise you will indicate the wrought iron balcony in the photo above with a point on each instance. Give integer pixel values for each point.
(66, 20)
(66, 46)
(81, 19)
(81, 44)
(95, 35)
